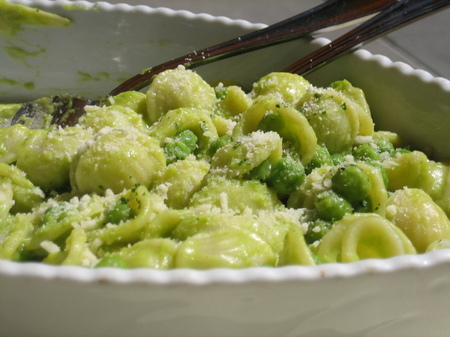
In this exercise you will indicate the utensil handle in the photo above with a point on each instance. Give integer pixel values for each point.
(396, 16)
(330, 13)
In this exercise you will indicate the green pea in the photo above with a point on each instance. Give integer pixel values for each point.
(181, 146)
(316, 231)
(366, 153)
(384, 145)
(176, 151)
(363, 206)
(114, 261)
(188, 138)
(337, 159)
(286, 175)
(322, 157)
(217, 144)
(260, 172)
(221, 93)
(121, 211)
(332, 207)
(400, 150)
(351, 182)
(55, 214)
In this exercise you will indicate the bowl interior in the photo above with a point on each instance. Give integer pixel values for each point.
(107, 44)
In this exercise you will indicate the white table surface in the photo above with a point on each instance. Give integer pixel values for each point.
(424, 44)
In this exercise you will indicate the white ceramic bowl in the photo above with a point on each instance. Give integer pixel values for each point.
(402, 296)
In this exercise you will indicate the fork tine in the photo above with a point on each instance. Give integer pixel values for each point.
(399, 14)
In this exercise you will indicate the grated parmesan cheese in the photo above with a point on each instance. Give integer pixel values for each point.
(391, 210)
(304, 226)
(224, 202)
(163, 189)
(50, 247)
(360, 140)
(316, 229)
(316, 243)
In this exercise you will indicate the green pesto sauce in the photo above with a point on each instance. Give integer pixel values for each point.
(13, 16)
(161, 43)
(18, 53)
(8, 110)
(85, 77)
(8, 81)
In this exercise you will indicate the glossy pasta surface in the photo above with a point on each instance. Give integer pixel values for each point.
(190, 175)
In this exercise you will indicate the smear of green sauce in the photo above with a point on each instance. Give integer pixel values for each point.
(26, 85)
(85, 77)
(18, 53)
(161, 43)
(14, 16)
(7, 111)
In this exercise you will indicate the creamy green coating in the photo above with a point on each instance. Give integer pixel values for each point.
(188, 175)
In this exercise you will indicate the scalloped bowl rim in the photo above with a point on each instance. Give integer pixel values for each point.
(224, 275)
(106, 6)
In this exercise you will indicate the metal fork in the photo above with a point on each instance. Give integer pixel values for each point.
(332, 13)
(65, 110)
(396, 16)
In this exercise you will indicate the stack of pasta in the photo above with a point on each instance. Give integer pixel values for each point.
(194, 175)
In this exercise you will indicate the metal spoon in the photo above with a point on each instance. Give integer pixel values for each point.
(66, 110)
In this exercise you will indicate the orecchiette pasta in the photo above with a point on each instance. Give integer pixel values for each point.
(175, 89)
(115, 159)
(362, 236)
(268, 114)
(334, 118)
(190, 175)
(418, 216)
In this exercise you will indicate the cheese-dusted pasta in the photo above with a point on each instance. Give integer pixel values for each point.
(190, 175)
(283, 87)
(334, 118)
(418, 216)
(116, 159)
(414, 170)
(268, 114)
(177, 88)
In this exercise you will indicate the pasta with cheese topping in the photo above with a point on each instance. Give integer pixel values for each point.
(190, 175)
